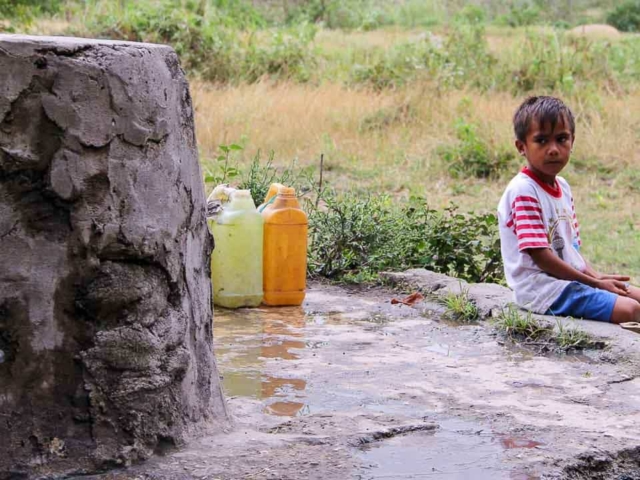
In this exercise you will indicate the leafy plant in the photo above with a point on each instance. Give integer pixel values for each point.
(472, 156)
(462, 245)
(259, 177)
(222, 171)
(365, 234)
(460, 307)
(626, 16)
(286, 54)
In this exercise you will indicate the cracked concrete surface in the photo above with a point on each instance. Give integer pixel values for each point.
(352, 387)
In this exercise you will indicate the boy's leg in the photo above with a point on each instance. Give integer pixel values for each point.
(634, 292)
(627, 309)
(578, 300)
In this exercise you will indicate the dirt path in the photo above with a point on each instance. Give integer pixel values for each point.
(352, 387)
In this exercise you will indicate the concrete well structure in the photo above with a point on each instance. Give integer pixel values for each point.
(106, 348)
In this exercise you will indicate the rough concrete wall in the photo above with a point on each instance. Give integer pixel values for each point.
(105, 298)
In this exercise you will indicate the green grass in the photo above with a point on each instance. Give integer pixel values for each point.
(523, 328)
(460, 307)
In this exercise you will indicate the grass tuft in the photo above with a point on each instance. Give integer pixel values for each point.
(522, 327)
(460, 307)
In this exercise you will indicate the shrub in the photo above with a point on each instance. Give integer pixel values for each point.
(520, 14)
(257, 178)
(365, 235)
(472, 156)
(459, 59)
(626, 16)
(23, 9)
(210, 42)
(285, 54)
(462, 245)
(471, 14)
(212, 50)
(557, 62)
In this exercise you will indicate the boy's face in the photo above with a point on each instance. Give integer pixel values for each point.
(547, 151)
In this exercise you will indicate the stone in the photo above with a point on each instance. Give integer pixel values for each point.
(105, 292)
(489, 298)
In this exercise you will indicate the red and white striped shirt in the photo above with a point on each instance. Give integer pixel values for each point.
(533, 214)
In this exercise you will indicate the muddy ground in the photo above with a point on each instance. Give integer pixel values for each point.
(349, 386)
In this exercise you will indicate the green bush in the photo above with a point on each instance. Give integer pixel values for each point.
(359, 236)
(626, 16)
(11, 9)
(557, 62)
(459, 59)
(464, 59)
(210, 42)
(201, 46)
(285, 54)
(471, 14)
(520, 14)
(397, 67)
(472, 156)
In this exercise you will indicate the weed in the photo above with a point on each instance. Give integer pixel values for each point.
(222, 171)
(521, 327)
(524, 328)
(259, 177)
(459, 307)
(569, 338)
(472, 156)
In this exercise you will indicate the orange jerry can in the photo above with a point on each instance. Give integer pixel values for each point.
(285, 250)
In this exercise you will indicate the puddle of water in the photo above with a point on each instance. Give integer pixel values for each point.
(245, 339)
(458, 450)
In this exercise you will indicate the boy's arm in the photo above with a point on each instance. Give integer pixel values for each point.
(550, 263)
(603, 276)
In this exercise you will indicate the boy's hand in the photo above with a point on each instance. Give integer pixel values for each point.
(613, 285)
(622, 278)
(550, 263)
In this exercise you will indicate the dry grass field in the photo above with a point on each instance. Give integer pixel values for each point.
(388, 141)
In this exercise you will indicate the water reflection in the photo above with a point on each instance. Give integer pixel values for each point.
(245, 338)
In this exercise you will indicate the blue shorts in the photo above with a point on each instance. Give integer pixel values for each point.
(578, 300)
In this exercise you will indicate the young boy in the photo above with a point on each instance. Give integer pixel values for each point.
(539, 233)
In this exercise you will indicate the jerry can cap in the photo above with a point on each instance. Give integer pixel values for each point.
(287, 191)
(241, 195)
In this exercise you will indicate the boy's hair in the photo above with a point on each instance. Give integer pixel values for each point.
(546, 111)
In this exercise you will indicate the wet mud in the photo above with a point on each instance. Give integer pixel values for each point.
(349, 386)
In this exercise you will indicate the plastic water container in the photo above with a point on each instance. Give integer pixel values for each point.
(236, 261)
(285, 250)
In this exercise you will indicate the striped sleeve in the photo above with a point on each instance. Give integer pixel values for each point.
(576, 225)
(526, 222)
